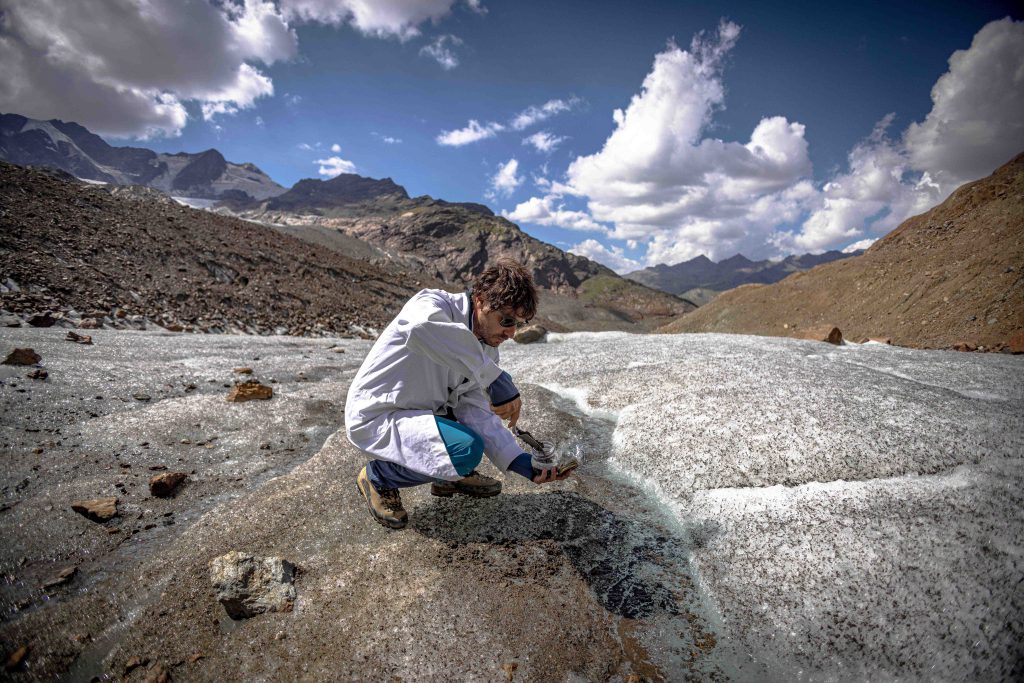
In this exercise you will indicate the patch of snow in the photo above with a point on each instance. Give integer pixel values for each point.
(195, 202)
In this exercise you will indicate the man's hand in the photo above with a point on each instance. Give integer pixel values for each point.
(547, 476)
(509, 411)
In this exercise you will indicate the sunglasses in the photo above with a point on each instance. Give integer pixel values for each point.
(512, 322)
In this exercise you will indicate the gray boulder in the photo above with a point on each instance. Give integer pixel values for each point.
(531, 334)
(248, 585)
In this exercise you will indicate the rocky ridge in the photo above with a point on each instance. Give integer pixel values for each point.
(75, 254)
(950, 276)
(454, 242)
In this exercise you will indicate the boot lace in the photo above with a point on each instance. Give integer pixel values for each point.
(390, 499)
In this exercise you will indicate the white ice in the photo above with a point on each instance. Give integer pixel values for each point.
(856, 512)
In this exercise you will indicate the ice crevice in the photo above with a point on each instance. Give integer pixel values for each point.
(954, 477)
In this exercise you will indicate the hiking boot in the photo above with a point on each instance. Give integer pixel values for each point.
(385, 506)
(473, 484)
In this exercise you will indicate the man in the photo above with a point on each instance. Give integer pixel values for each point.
(429, 399)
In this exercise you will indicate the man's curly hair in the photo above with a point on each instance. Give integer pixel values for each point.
(507, 284)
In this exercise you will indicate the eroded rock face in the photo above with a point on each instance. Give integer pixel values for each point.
(530, 334)
(248, 585)
(96, 509)
(249, 391)
(22, 357)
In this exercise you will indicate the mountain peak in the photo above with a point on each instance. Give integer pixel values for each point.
(345, 188)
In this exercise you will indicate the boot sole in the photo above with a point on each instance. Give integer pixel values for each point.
(471, 494)
(373, 513)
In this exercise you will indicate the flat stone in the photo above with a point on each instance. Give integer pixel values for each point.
(38, 373)
(63, 577)
(96, 509)
(243, 371)
(249, 391)
(22, 357)
(133, 664)
(248, 585)
(78, 338)
(164, 485)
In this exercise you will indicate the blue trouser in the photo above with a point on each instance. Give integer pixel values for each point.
(464, 446)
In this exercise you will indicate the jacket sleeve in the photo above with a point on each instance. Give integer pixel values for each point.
(427, 322)
(474, 411)
(502, 390)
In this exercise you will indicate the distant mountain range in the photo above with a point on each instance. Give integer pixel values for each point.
(72, 148)
(357, 217)
(951, 276)
(453, 242)
(700, 279)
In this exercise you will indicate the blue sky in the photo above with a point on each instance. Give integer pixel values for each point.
(761, 128)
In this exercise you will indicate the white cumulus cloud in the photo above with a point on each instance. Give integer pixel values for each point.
(473, 132)
(658, 178)
(977, 119)
(441, 51)
(60, 61)
(858, 246)
(974, 126)
(543, 141)
(609, 255)
(536, 114)
(129, 68)
(334, 166)
(387, 139)
(666, 185)
(507, 179)
(381, 18)
(548, 211)
(335, 148)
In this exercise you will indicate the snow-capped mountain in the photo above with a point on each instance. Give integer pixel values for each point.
(72, 148)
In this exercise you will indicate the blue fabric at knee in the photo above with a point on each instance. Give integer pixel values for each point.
(465, 447)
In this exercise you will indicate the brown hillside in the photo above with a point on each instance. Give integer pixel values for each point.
(950, 275)
(129, 254)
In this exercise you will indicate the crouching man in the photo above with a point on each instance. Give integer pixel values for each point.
(429, 399)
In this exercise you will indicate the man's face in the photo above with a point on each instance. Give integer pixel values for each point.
(487, 324)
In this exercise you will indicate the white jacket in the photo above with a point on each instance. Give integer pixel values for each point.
(426, 361)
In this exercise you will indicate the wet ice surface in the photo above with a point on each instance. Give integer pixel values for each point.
(836, 513)
(112, 414)
(854, 512)
(589, 564)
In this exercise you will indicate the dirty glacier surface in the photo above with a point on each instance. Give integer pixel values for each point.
(748, 508)
(852, 512)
